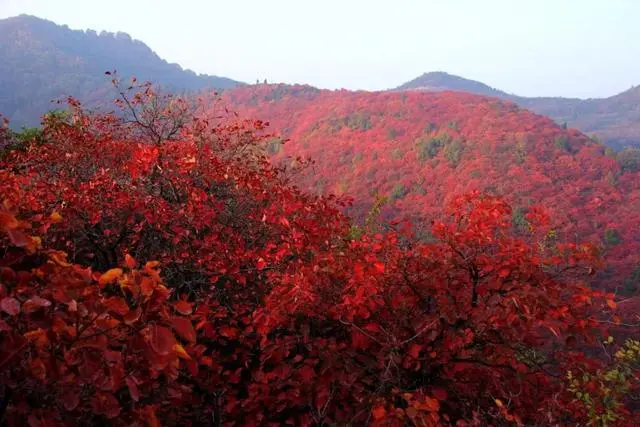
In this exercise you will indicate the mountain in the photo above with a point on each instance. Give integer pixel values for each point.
(440, 81)
(42, 61)
(421, 149)
(615, 120)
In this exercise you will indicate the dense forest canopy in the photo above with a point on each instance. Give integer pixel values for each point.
(159, 269)
(421, 149)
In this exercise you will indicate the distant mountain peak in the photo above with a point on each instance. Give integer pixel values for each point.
(438, 81)
(616, 120)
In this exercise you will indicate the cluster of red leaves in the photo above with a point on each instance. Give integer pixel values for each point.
(79, 345)
(265, 311)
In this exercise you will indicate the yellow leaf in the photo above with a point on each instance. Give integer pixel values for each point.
(151, 265)
(59, 258)
(55, 216)
(110, 276)
(36, 242)
(499, 403)
(181, 352)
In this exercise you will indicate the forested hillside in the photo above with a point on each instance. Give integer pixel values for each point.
(42, 61)
(615, 120)
(422, 149)
(158, 269)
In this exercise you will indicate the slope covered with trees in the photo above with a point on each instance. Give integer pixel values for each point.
(42, 61)
(615, 120)
(158, 269)
(421, 149)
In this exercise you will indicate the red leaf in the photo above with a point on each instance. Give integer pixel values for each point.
(378, 412)
(106, 404)
(162, 340)
(4, 326)
(12, 346)
(129, 261)
(439, 393)
(132, 316)
(192, 367)
(18, 238)
(35, 303)
(228, 332)
(8, 221)
(504, 272)
(307, 373)
(379, 266)
(261, 264)
(414, 350)
(183, 307)
(149, 415)
(70, 399)
(432, 405)
(133, 388)
(184, 328)
(11, 306)
(117, 305)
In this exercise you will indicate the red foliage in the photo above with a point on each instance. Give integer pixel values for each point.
(177, 277)
(424, 149)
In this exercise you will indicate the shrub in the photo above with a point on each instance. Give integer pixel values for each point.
(629, 160)
(612, 237)
(429, 146)
(453, 152)
(562, 142)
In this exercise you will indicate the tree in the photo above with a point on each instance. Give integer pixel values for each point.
(629, 160)
(443, 332)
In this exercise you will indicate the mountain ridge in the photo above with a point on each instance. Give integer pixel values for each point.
(614, 119)
(44, 61)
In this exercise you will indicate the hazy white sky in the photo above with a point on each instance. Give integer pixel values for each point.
(583, 48)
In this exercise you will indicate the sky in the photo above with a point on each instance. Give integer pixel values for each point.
(574, 48)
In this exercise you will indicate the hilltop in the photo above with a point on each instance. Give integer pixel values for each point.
(615, 120)
(439, 81)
